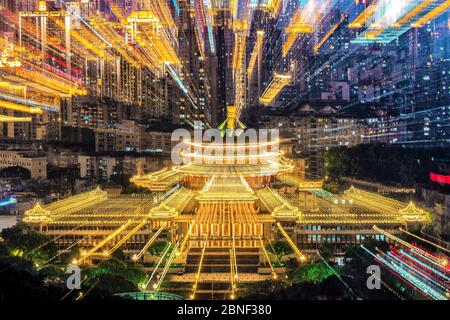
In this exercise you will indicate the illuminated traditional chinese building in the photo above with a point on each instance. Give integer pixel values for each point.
(217, 204)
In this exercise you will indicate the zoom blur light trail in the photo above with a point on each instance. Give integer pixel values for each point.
(415, 279)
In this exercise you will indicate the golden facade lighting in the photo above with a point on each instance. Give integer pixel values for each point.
(37, 215)
(144, 249)
(329, 33)
(8, 60)
(414, 12)
(412, 213)
(277, 84)
(362, 19)
(274, 6)
(255, 52)
(302, 184)
(233, 188)
(295, 27)
(278, 206)
(173, 205)
(162, 180)
(432, 14)
(225, 204)
(153, 31)
(42, 5)
(300, 256)
(19, 107)
(11, 119)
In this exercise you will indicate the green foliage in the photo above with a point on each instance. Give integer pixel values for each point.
(115, 284)
(119, 255)
(27, 243)
(326, 250)
(133, 273)
(19, 281)
(314, 273)
(157, 249)
(68, 257)
(262, 290)
(382, 163)
(280, 249)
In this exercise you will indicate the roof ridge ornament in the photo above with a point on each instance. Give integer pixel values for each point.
(37, 215)
(98, 192)
(232, 122)
(412, 213)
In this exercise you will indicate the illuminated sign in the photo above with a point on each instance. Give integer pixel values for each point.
(440, 178)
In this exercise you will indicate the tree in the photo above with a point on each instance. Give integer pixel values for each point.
(157, 249)
(23, 241)
(280, 249)
(112, 284)
(326, 250)
(131, 272)
(315, 273)
(119, 255)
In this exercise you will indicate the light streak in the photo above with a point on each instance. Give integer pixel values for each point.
(330, 33)
(180, 83)
(211, 40)
(8, 202)
(29, 103)
(11, 119)
(105, 241)
(19, 107)
(166, 250)
(406, 244)
(424, 240)
(266, 255)
(432, 14)
(361, 20)
(197, 275)
(277, 84)
(300, 256)
(167, 266)
(72, 10)
(177, 7)
(176, 78)
(137, 256)
(415, 281)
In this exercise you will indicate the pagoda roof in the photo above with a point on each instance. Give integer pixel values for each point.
(231, 188)
(278, 206)
(37, 214)
(412, 213)
(173, 205)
